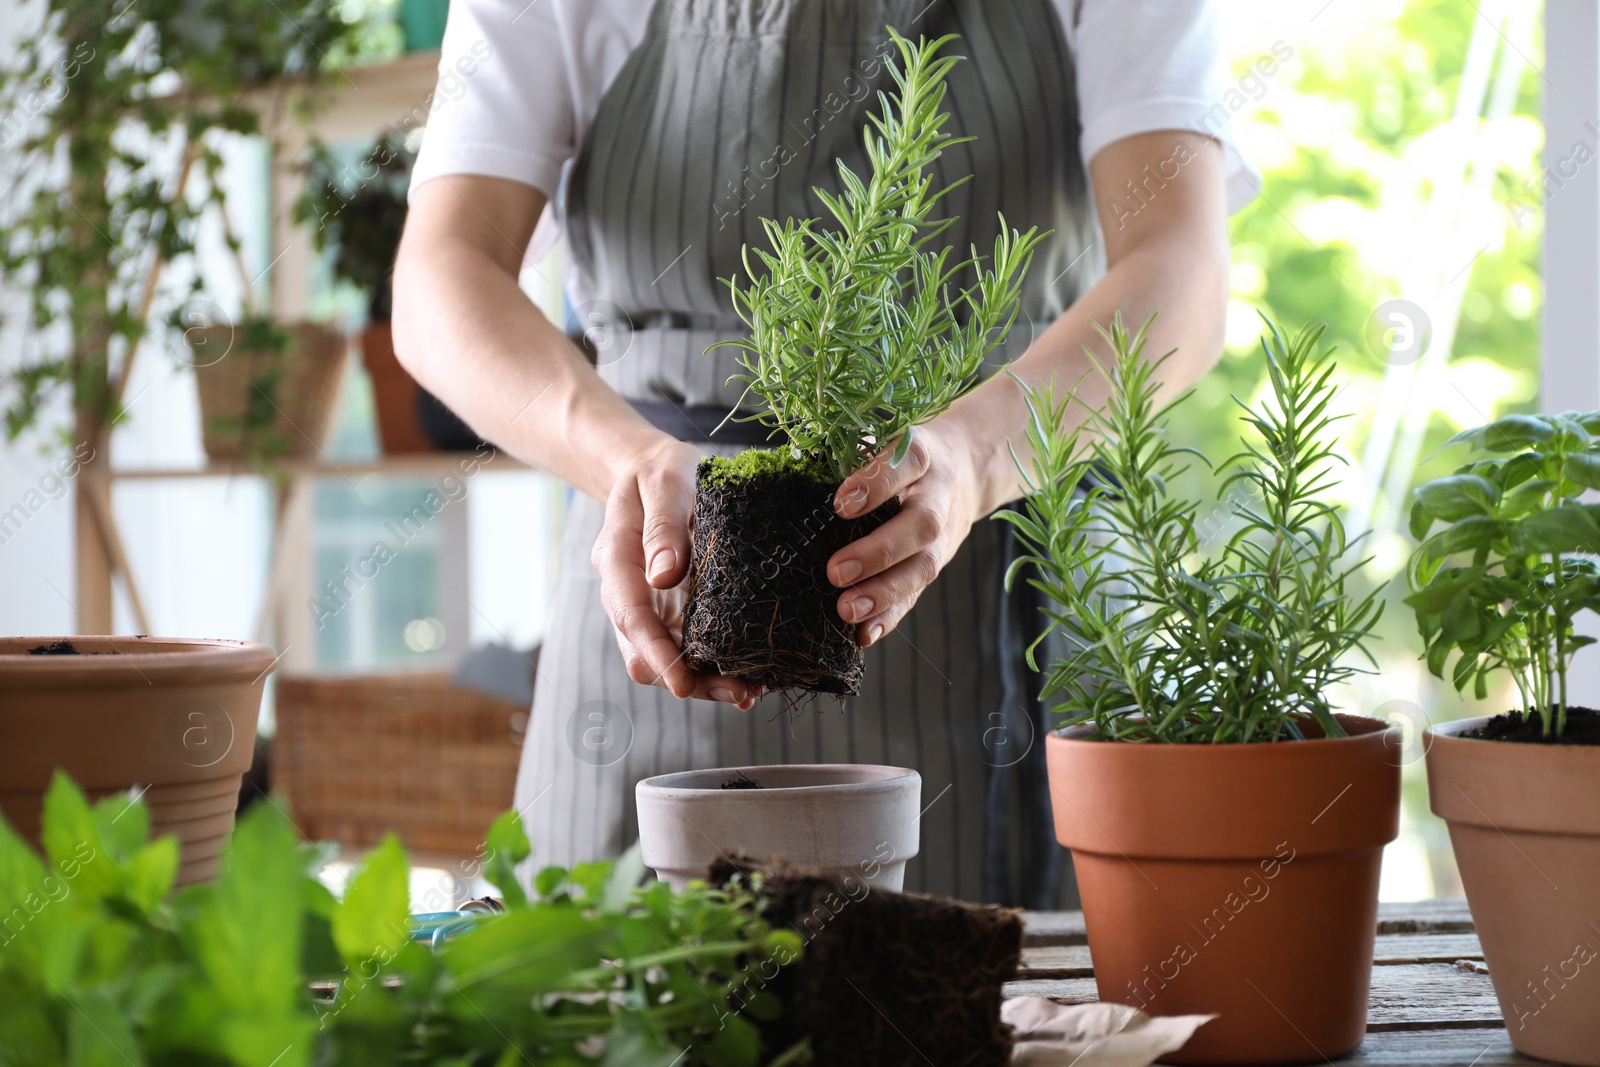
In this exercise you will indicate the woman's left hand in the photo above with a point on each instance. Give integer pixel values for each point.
(884, 573)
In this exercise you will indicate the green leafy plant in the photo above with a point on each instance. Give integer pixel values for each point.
(100, 963)
(360, 212)
(1525, 546)
(855, 335)
(109, 116)
(1169, 637)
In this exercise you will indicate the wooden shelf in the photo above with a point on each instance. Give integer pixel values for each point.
(420, 463)
(360, 100)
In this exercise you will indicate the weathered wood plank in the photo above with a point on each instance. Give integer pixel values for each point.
(1054, 928)
(1072, 961)
(1404, 996)
(1436, 1048)
(1444, 915)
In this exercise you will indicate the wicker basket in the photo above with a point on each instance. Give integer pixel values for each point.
(302, 403)
(412, 753)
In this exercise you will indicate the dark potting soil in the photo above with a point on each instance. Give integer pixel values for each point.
(881, 970)
(740, 781)
(761, 608)
(1583, 728)
(54, 648)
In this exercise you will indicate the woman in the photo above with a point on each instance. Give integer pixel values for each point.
(670, 128)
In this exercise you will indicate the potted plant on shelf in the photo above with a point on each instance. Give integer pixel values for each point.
(264, 968)
(854, 341)
(1500, 586)
(360, 212)
(1226, 824)
(114, 164)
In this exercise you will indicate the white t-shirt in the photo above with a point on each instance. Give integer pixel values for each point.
(520, 81)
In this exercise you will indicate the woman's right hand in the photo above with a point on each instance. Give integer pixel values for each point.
(642, 556)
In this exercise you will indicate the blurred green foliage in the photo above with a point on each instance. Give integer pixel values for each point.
(1354, 137)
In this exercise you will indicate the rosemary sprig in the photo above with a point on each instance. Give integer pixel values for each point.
(1169, 638)
(855, 336)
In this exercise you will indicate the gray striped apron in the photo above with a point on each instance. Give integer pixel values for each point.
(728, 112)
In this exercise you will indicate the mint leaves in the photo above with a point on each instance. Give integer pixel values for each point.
(102, 964)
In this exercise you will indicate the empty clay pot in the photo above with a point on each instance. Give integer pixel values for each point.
(1240, 880)
(1525, 824)
(173, 719)
(858, 819)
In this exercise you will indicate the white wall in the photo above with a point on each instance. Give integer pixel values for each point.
(1571, 269)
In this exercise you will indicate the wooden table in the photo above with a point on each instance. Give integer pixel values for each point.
(1431, 1003)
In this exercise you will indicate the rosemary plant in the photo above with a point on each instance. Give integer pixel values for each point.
(855, 335)
(1169, 638)
(1527, 545)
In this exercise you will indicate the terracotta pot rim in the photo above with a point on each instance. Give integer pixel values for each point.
(1362, 729)
(1510, 786)
(668, 785)
(133, 659)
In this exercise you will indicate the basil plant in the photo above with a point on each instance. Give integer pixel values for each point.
(1507, 560)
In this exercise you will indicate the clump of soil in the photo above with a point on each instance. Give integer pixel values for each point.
(1583, 728)
(886, 979)
(761, 608)
(54, 648)
(740, 781)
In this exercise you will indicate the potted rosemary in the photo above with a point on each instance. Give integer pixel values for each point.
(1505, 569)
(1211, 796)
(855, 339)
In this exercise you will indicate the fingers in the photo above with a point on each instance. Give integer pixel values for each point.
(877, 481)
(652, 654)
(703, 686)
(895, 590)
(918, 526)
(667, 495)
(880, 626)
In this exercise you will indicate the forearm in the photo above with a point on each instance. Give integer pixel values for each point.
(1165, 276)
(1169, 258)
(467, 333)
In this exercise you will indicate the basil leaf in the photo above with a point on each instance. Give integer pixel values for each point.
(1568, 528)
(1512, 432)
(1583, 468)
(1458, 496)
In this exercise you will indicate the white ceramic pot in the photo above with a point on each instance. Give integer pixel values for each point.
(858, 819)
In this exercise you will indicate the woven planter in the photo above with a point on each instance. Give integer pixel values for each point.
(411, 753)
(295, 390)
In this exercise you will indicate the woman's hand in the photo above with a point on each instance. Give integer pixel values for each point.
(884, 573)
(642, 556)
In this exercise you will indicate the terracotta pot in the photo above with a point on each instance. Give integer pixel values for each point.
(1240, 880)
(858, 819)
(1525, 824)
(394, 394)
(173, 718)
(302, 390)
